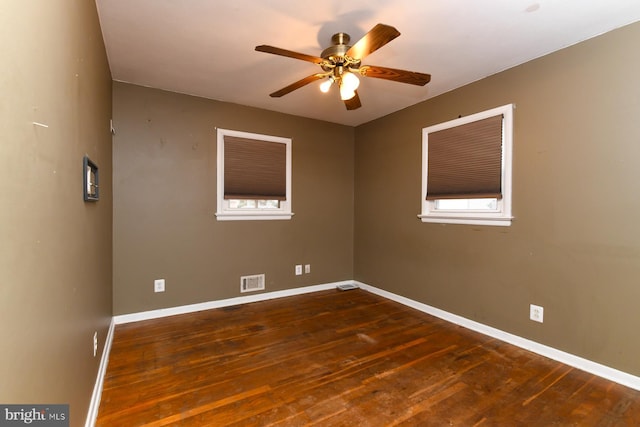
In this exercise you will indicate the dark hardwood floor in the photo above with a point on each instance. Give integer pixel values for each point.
(336, 358)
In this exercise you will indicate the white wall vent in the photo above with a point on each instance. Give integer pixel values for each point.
(252, 283)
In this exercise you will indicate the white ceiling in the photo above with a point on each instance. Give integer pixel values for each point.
(206, 47)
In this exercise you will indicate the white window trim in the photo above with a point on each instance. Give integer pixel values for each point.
(224, 212)
(501, 216)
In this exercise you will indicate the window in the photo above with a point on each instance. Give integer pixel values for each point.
(466, 169)
(254, 176)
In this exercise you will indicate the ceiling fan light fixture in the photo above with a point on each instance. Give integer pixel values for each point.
(350, 81)
(345, 93)
(326, 85)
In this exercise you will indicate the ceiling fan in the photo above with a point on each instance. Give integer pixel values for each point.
(341, 62)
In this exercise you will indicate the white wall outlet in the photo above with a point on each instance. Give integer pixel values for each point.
(298, 269)
(307, 268)
(95, 343)
(536, 313)
(158, 285)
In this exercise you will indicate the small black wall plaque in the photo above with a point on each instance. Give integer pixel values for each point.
(90, 180)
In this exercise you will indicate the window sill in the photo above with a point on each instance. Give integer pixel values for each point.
(252, 216)
(496, 221)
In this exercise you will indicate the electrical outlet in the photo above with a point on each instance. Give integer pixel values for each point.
(536, 313)
(158, 285)
(307, 268)
(298, 269)
(95, 343)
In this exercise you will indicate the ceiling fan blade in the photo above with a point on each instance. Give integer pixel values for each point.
(297, 85)
(353, 103)
(379, 35)
(289, 54)
(402, 76)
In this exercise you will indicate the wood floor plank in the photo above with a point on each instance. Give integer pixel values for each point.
(341, 359)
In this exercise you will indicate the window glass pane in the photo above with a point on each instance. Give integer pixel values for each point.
(253, 204)
(242, 204)
(268, 204)
(467, 204)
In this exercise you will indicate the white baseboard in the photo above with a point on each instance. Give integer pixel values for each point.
(94, 406)
(191, 308)
(586, 365)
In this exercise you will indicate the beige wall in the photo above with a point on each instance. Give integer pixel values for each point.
(55, 249)
(165, 200)
(574, 246)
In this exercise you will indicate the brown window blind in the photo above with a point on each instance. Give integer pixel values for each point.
(465, 162)
(254, 169)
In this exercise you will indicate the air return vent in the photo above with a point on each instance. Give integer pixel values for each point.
(252, 283)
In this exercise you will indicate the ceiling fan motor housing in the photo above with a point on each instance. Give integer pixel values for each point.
(336, 53)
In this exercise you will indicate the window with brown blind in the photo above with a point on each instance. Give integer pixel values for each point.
(467, 169)
(254, 176)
